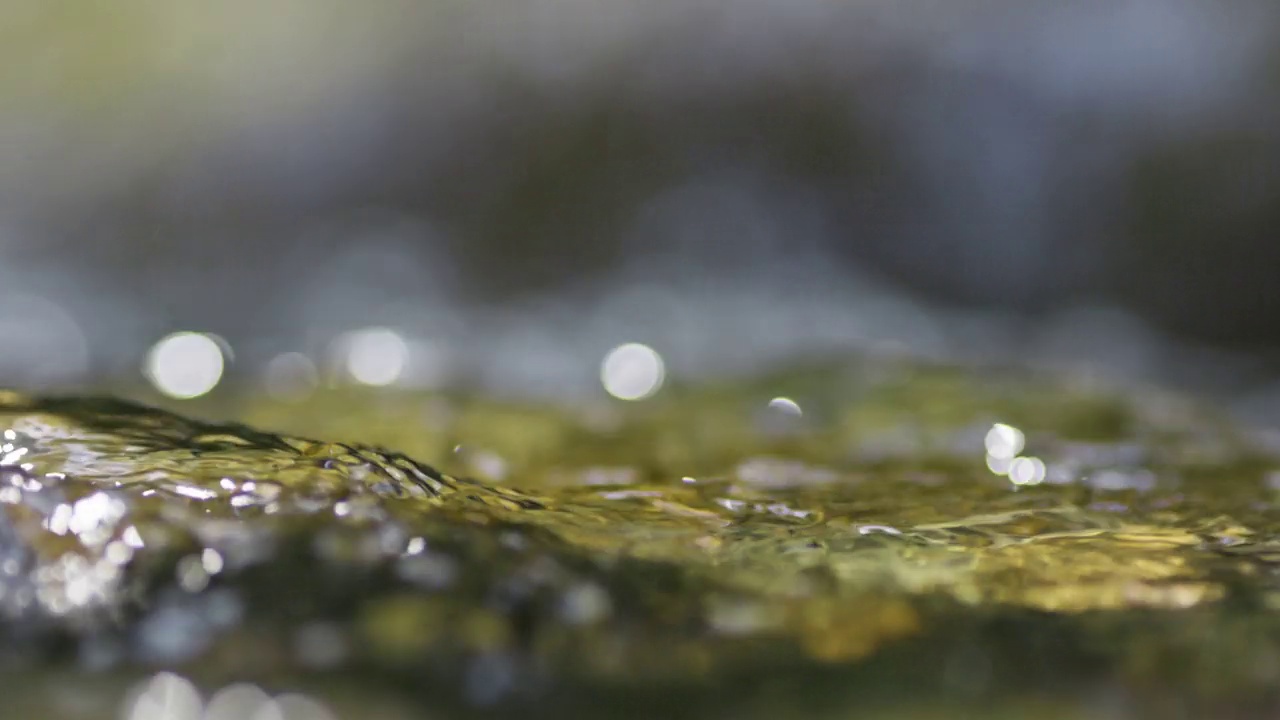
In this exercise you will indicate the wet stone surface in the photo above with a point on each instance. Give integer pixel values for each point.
(899, 534)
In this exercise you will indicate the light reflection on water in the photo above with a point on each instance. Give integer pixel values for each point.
(632, 371)
(685, 538)
(532, 355)
(168, 696)
(185, 365)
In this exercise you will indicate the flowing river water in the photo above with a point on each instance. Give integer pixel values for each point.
(873, 538)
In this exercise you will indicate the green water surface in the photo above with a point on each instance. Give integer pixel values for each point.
(915, 541)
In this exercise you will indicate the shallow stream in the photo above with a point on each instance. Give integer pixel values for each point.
(873, 538)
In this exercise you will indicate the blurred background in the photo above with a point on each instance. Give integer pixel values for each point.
(497, 195)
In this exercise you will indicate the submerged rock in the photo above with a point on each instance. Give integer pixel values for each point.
(1034, 538)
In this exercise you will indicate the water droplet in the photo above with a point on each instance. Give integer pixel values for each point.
(376, 356)
(1004, 442)
(211, 561)
(786, 406)
(191, 574)
(185, 365)
(632, 372)
(1026, 471)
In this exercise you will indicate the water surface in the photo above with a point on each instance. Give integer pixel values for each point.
(869, 539)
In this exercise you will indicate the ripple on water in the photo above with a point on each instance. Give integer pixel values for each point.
(186, 541)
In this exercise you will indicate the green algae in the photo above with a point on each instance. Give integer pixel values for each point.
(694, 554)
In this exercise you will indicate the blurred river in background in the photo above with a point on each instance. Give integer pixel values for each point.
(506, 193)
